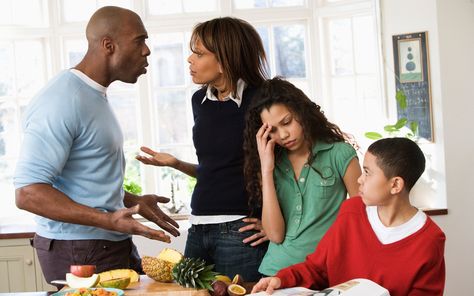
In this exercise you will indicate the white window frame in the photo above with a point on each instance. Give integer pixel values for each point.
(312, 14)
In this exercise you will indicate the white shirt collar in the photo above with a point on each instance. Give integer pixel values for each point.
(241, 85)
(100, 88)
(388, 235)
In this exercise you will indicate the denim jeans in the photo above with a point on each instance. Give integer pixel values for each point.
(221, 244)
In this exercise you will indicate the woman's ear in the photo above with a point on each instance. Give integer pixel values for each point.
(398, 184)
(220, 68)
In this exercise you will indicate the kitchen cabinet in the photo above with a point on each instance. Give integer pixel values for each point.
(19, 267)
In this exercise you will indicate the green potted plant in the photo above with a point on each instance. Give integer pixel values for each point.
(397, 129)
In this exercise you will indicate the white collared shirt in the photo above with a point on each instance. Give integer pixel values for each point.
(388, 235)
(102, 89)
(241, 85)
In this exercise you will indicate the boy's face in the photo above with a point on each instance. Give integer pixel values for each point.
(374, 187)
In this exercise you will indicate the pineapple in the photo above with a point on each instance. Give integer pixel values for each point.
(193, 272)
(160, 268)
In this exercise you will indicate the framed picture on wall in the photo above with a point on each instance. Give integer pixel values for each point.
(412, 76)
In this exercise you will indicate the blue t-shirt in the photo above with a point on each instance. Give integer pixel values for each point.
(72, 140)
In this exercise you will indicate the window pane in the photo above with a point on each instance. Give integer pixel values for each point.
(160, 7)
(290, 51)
(78, 11)
(168, 60)
(199, 6)
(21, 12)
(285, 3)
(7, 202)
(172, 127)
(30, 72)
(81, 11)
(345, 103)
(341, 46)
(75, 51)
(120, 3)
(8, 69)
(246, 4)
(8, 130)
(263, 32)
(125, 109)
(172, 183)
(365, 52)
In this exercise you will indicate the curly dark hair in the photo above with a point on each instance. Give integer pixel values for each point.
(316, 127)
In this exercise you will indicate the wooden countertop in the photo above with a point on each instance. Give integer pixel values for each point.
(148, 286)
(10, 231)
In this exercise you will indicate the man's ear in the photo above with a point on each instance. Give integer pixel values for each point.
(398, 184)
(107, 45)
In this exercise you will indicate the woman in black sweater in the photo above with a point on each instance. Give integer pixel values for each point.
(228, 60)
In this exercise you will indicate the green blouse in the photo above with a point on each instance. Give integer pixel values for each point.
(309, 205)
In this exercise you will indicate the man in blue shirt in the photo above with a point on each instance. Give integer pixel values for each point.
(71, 166)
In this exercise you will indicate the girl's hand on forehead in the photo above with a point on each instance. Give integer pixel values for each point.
(265, 146)
(264, 131)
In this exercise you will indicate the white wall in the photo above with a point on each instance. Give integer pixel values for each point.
(408, 16)
(451, 43)
(456, 47)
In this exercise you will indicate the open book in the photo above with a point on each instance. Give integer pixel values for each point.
(355, 287)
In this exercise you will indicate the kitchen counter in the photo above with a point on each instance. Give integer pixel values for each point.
(14, 230)
(148, 286)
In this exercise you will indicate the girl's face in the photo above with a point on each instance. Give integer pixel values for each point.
(374, 187)
(203, 65)
(286, 130)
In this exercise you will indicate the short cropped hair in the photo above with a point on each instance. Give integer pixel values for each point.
(399, 157)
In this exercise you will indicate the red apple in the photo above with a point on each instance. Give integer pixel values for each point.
(82, 270)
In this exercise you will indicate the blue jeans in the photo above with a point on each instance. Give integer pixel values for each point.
(221, 244)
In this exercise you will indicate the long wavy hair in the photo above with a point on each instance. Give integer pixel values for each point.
(314, 123)
(238, 49)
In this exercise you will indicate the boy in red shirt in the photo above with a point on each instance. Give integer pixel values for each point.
(378, 235)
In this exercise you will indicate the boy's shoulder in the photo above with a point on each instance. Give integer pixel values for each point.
(352, 205)
(433, 231)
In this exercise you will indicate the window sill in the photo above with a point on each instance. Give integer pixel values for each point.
(435, 212)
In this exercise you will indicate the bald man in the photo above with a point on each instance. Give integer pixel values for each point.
(71, 166)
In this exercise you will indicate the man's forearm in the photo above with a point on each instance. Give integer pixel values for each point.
(48, 202)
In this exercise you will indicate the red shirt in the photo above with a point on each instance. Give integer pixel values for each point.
(350, 249)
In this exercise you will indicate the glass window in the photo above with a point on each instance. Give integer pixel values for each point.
(355, 83)
(7, 64)
(248, 4)
(171, 121)
(13, 13)
(75, 50)
(340, 31)
(29, 65)
(168, 59)
(156, 111)
(290, 52)
(163, 7)
(364, 41)
(81, 11)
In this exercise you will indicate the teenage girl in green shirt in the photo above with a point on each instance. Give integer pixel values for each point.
(298, 168)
